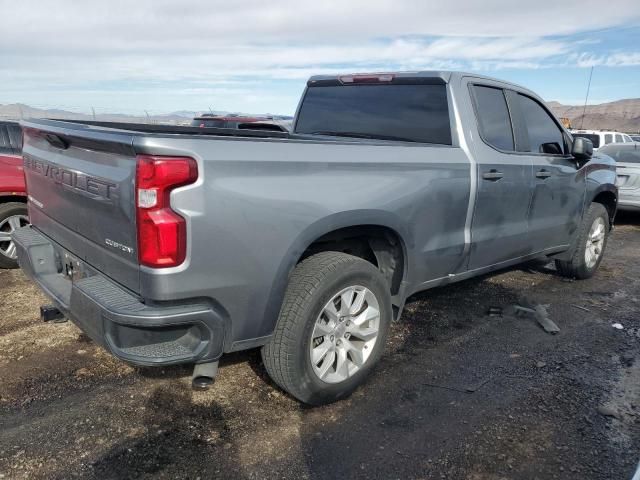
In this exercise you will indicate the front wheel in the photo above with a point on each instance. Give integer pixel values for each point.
(592, 241)
(332, 328)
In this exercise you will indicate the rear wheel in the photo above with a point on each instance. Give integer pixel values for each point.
(592, 241)
(331, 330)
(13, 215)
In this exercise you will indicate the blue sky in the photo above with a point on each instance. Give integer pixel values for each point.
(254, 56)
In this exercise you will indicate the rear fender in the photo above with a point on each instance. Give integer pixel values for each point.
(313, 232)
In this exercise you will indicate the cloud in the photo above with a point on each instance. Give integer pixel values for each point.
(233, 49)
(619, 59)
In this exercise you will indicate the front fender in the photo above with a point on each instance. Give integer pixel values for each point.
(600, 177)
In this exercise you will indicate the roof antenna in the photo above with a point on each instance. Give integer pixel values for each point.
(584, 110)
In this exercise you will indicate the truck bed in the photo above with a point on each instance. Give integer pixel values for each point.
(145, 128)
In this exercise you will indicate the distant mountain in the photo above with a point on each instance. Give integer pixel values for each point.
(17, 111)
(622, 115)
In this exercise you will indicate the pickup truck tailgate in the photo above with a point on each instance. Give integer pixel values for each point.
(80, 183)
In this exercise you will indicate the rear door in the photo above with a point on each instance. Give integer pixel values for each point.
(499, 230)
(80, 181)
(558, 186)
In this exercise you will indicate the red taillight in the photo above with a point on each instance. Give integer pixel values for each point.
(162, 233)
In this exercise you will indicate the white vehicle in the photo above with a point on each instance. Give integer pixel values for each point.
(600, 138)
(627, 157)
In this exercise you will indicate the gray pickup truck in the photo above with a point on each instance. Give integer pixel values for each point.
(175, 245)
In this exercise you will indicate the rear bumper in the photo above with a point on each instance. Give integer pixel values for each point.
(136, 332)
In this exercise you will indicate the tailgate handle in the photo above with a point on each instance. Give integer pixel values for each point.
(56, 141)
(543, 174)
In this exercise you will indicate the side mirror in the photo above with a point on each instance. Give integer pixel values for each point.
(582, 149)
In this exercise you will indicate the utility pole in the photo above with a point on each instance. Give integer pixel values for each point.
(584, 110)
(93, 111)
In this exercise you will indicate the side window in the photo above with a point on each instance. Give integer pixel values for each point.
(544, 134)
(608, 138)
(5, 143)
(618, 138)
(15, 137)
(627, 138)
(493, 117)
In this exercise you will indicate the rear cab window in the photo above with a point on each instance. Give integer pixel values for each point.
(401, 110)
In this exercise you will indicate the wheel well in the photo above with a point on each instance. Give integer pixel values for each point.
(12, 198)
(609, 201)
(378, 245)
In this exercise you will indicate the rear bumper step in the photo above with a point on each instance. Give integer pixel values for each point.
(133, 331)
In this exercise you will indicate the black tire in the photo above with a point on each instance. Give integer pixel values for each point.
(313, 283)
(577, 267)
(7, 210)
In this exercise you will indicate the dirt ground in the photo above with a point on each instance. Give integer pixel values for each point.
(459, 394)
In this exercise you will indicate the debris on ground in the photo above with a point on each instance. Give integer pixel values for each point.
(618, 326)
(607, 411)
(579, 307)
(540, 314)
(478, 386)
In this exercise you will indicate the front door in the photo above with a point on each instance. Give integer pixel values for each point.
(558, 185)
(499, 230)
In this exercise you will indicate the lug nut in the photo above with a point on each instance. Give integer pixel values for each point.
(331, 338)
(348, 323)
(338, 343)
(347, 335)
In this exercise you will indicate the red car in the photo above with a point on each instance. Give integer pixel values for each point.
(13, 194)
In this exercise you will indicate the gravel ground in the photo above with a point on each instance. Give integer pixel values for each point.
(459, 394)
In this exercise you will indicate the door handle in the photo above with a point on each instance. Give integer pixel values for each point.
(543, 174)
(493, 175)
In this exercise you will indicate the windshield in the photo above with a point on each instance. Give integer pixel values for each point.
(595, 139)
(415, 113)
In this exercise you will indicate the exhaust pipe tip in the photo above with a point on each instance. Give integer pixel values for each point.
(204, 375)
